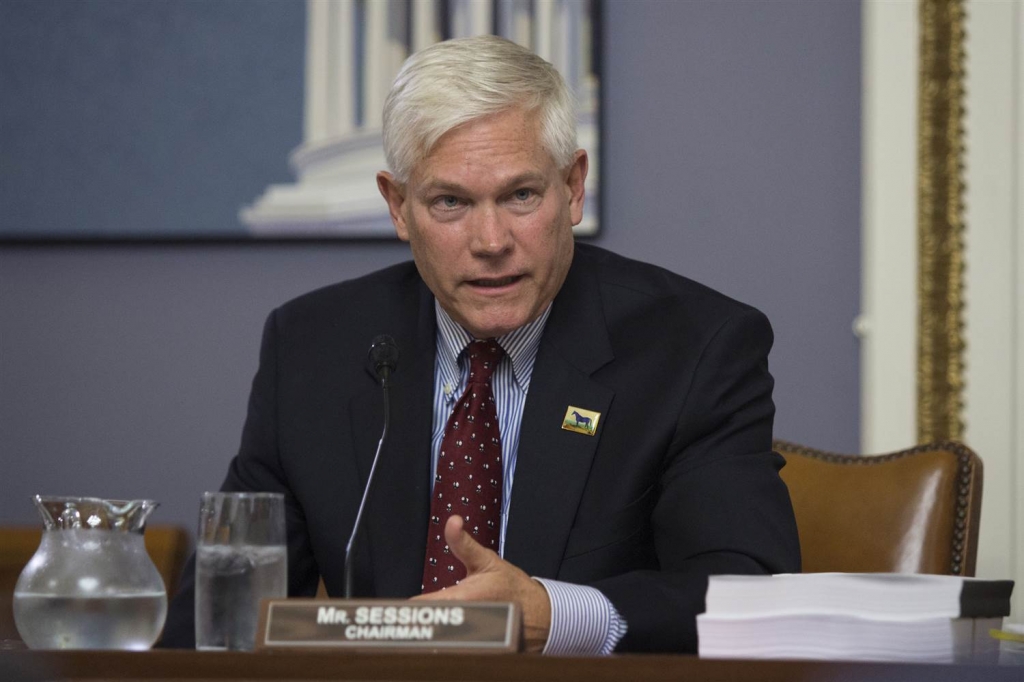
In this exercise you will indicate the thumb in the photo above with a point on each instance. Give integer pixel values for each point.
(474, 556)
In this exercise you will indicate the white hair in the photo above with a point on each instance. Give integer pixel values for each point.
(457, 81)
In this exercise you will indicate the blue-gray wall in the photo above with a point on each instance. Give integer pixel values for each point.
(731, 155)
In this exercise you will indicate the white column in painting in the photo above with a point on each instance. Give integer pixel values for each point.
(515, 21)
(375, 35)
(543, 27)
(342, 84)
(470, 18)
(384, 52)
(570, 17)
(318, 41)
(586, 41)
(561, 48)
(398, 39)
(425, 28)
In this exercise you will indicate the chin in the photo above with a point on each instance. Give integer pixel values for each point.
(498, 320)
(494, 329)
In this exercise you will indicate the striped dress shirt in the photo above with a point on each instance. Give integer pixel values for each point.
(583, 621)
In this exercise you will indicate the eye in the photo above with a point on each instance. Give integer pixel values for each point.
(448, 202)
(522, 194)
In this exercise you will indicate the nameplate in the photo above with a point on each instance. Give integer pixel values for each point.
(389, 624)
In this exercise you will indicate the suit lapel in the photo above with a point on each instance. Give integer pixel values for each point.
(552, 464)
(400, 502)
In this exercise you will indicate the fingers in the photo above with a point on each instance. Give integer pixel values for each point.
(454, 524)
(474, 556)
(471, 553)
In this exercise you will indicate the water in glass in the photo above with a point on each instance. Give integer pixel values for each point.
(125, 621)
(233, 579)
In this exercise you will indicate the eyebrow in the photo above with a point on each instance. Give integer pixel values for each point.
(434, 186)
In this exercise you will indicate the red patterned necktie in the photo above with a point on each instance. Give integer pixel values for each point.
(469, 473)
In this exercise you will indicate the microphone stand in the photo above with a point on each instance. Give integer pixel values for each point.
(384, 372)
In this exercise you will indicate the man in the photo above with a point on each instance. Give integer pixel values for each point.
(631, 407)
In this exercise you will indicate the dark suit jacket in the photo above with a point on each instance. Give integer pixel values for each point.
(679, 481)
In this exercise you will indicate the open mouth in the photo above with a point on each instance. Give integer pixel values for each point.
(495, 283)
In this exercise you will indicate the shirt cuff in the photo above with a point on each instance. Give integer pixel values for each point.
(583, 621)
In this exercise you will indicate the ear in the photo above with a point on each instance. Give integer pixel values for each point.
(394, 194)
(575, 181)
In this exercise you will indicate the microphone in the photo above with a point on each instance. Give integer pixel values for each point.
(384, 355)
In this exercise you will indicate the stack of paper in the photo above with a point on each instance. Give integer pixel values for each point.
(853, 616)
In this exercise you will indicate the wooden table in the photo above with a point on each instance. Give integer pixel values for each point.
(193, 665)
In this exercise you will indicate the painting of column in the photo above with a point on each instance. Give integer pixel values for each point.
(354, 50)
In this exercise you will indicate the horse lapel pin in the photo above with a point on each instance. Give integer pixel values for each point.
(581, 421)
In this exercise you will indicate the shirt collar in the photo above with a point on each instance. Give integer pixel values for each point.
(520, 345)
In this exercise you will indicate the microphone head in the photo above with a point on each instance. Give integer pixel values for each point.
(384, 355)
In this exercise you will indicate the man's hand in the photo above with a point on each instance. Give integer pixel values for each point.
(491, 578)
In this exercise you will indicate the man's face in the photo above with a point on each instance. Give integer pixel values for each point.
(489, 218)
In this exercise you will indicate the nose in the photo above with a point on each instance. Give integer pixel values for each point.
(490, 235)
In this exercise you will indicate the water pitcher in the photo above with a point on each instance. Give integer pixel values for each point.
(91, 584)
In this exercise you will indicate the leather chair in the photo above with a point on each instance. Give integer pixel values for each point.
(168, 546)
(912, 511)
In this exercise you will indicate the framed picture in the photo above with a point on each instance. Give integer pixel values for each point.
(176, 121)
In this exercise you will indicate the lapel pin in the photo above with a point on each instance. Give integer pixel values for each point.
(581, 421)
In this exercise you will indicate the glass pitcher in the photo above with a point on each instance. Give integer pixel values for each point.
(91, 584)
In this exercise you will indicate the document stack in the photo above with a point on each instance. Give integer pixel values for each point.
(853, 616)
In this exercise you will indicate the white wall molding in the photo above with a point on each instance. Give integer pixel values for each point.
(994, 313)
(1017, 466)
(1017, 480)
(888, 321)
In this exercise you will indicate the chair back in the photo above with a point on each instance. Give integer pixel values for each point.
(168, 546)
(912, 511)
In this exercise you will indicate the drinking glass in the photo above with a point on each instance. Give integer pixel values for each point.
(241, 558)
